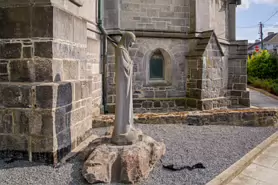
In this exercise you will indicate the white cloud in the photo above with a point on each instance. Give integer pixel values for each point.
(245, 4)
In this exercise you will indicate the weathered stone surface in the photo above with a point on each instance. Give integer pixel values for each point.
(27, 52)
(123, 164)
(98, 166)
(43, 49)
(42, 21)
(10, 50)
(45, 96)
(16, 96)
(6, 122)
(20, 71)
(16, 17)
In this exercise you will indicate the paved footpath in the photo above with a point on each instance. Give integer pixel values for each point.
(264, 169)
(260, 100)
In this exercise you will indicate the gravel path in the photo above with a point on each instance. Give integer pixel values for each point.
(217, 147)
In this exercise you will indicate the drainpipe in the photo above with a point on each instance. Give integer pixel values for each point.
(103, 52)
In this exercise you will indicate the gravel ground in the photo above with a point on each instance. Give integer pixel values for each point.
(217, 147)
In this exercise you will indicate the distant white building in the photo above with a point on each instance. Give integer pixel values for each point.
(270, 43)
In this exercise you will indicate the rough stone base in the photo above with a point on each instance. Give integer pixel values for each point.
(123, 164)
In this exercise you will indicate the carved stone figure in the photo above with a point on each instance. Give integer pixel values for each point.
(117, 162)
(124, 132)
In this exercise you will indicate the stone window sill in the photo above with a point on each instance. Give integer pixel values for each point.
(157, 83)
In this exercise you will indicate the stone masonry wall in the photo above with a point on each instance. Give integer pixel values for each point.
(213, 90)
(170, 15)
(237, 67)
(50, 83)
(206, 84)
(149, 95)
(209, 15)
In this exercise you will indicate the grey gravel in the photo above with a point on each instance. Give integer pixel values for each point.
(217, 147)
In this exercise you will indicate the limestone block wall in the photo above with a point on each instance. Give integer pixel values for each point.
(237, 67)
(50, 86)
(167, 15)
(210, 15)
(206, 81)
(150, 95)
(219, 18)
(213, 90)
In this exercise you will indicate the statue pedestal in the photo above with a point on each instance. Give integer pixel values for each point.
(123, 164)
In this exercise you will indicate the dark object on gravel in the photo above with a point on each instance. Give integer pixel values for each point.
(190, 168)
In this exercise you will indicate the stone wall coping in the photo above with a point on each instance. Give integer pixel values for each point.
(235, 117)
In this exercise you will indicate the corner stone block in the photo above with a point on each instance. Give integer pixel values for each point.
(43, 70)
(42, 145)
(64, 94)
(54, 95)
(42, 21)
(43, 49)
(45, 96)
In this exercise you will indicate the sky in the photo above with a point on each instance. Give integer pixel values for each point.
(250, 13)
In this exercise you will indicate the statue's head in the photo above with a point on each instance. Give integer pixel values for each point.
(128, 39)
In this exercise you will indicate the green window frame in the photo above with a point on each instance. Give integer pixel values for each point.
(157, 66)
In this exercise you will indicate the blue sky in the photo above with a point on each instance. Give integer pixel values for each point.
(250, 13)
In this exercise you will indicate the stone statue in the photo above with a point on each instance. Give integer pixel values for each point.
(130, 156)
(124, 132)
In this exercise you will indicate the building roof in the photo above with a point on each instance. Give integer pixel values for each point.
(268, 38)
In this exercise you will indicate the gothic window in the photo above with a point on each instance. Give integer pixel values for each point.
(157, 66)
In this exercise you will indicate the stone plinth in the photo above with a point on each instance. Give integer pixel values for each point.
(123, 164)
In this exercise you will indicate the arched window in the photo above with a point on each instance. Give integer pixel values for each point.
(157, 66)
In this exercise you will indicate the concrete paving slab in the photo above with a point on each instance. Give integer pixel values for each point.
(266, 160)
(261, 173)
(242, 179)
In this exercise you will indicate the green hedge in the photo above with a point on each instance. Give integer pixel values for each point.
(263, 65)
(269, 85)
(263, 71)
